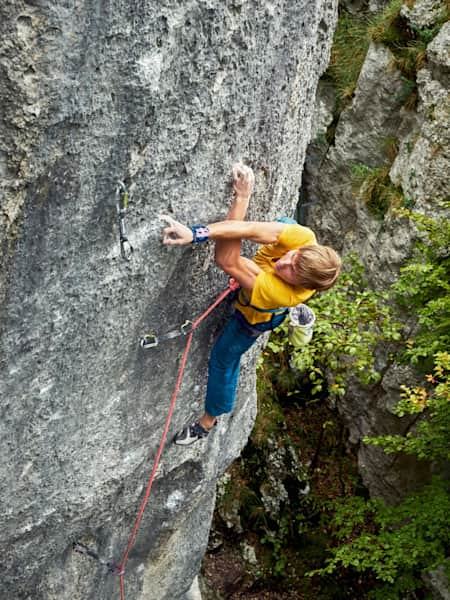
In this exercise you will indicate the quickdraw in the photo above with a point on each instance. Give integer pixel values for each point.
(112, 567)
(122, 197)
(151, 340)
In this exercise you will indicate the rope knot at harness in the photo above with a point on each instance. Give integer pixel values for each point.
(233, 284)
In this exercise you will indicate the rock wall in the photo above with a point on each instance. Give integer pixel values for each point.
(421, 170)
(166, 96)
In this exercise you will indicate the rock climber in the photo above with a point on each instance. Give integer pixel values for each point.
(288, 268)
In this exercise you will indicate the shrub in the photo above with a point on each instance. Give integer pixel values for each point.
(350, 44)
(423, 288)
(397, 544)
(351, 321)
(431, 437)
(376, 189)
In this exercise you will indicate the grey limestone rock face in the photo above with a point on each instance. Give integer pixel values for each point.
(424, 13)
(439, 583)
(360, 134)
(421, 168)
(166, 96)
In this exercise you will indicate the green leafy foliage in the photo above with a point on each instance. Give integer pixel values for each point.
(351, 321)
(423, 288)
(376, 189)
(394, 543)
(431, 438)
(277, 540)
(427, 34)
(397, 544)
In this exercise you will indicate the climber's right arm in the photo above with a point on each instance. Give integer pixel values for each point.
(229, 250)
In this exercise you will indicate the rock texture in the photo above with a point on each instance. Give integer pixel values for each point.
(166, 96)
(360, 134)
(421, 169)
(424, 13)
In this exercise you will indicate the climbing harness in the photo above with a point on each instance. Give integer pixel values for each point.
(151, 340)
(246, 302)
(122, 197)
(120, 569)
(83, 549)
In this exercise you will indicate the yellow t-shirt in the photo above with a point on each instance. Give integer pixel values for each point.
(270, 291)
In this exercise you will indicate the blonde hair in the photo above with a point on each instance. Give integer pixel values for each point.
(317, 267)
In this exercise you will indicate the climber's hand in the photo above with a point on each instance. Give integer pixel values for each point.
(243, 181)
(176, 234)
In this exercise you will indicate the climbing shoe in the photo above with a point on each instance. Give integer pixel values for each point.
(190, 434)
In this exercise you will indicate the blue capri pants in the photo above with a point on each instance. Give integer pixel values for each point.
(225, 360)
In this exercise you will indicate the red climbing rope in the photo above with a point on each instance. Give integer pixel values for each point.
(231, 287)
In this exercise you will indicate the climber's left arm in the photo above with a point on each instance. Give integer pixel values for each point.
(240, 268)
(255, 231)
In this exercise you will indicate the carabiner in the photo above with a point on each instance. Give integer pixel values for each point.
(126, 249)
(184, 327)
(122, 196)
(149, 340)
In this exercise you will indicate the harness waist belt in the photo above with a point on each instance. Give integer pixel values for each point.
(273, 311)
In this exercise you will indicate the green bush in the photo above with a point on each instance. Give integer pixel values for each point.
(395, 544)
(350, 44)
(430, 439)
(423, 288)
(351, 321)
(376, 189)
(398, 544)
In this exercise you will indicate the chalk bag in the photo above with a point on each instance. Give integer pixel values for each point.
(301, 325)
